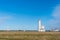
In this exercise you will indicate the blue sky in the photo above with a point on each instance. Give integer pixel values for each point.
(24, 14)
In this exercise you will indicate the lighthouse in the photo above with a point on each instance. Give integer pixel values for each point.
(40, 27)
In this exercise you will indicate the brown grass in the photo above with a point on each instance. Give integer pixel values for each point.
(29, 35)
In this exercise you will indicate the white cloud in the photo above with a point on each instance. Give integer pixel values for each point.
(56, 12)
(4, 18)
(55, 21)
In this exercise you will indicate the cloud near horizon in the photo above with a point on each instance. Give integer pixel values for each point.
(4, 18)
(55, 21)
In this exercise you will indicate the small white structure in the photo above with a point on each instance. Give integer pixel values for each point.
(56, 30)
(40, 27)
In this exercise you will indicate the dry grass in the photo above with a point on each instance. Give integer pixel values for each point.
(29, 35)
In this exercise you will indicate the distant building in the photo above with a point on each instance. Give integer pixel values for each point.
(56, 30)
(40, 27)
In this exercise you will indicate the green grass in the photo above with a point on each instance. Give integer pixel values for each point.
(29, 35)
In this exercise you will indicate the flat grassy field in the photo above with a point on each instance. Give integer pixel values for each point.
(29, 35)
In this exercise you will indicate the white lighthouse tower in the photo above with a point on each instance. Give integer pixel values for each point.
(40, 27)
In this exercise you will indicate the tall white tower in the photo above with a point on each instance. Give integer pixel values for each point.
(40, 27)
